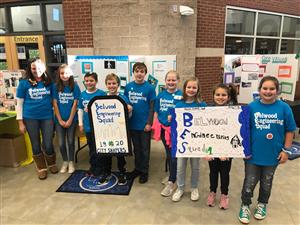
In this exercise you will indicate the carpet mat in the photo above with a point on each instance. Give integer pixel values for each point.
(79, 182)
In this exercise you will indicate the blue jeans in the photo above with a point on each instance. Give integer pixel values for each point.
(253, 174)
(172, 162)
(141, 146)
(34, 128)
(69, 134)
(181, 170)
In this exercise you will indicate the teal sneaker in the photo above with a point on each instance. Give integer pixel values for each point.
(260, 211)
(244, 215)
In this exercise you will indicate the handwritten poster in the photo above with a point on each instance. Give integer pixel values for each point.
(109, 116)
(211, 131)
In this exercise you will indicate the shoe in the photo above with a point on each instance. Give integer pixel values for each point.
(260, 211)
(194, 194)
(244, 215)
(89, 173)
(64, 167)
(143, 178)
(177, 195)
(104, 179)
(224, 202)
(165, 180)
(211, 199)
(122, 179)
(134, 174)
(71, 167)
(169, 189)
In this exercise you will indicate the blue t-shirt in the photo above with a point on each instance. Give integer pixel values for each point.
(269, 123)
(140, 96)
(83, 104)
(65, 100)
(164, 102)
(37, 100)
(183, 104)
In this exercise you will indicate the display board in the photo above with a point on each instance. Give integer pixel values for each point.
(211, 131)
(157, 65)
(246, 71)
(9, 81)
(109, 116)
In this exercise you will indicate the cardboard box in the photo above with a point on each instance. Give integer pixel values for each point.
(12, 150)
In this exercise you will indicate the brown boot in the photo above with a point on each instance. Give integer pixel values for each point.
(51, 162)
(40, 166)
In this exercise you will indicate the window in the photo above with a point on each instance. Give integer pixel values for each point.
(26, 18)
(55, 19)
(259, 32)
(3, 28)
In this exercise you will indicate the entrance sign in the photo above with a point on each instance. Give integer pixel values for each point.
(108, 117)
(211, 131)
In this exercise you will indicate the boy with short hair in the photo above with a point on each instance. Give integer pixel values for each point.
(141, 95)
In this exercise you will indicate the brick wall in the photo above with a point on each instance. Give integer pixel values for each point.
(78, 23)
(211, 28)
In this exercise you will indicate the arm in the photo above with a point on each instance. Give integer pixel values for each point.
(150, 117)
(19, 108)
(57, 113)
(284, 154)
(80, 120)
(73, 112)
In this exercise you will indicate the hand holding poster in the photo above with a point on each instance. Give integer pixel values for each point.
(211, 131)
(109, 116)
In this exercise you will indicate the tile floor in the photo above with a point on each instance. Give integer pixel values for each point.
(26, 200)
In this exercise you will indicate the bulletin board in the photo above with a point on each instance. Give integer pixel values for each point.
(246, 71)
(157, 65)
(9, 81)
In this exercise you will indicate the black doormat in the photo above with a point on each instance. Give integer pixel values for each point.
(79, 182)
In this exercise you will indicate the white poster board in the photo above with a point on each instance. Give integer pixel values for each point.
(109, 116)
(211, 131)
(9, 81)
(246, 71)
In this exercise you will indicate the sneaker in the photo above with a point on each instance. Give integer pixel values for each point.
(260, 211)
(64, 167)
(71, 167)
(244, 215)
(194, 194)
(104, 179)
(122, 179)
(165, 180)
(143, 178)
(224, 202)
(211, 199)
(169, 189)
(177, 195)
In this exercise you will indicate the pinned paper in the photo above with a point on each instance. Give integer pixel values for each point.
(40, 67)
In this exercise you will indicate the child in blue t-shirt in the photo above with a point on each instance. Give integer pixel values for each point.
(165, 101)
(191, 98)
(272, 127)
(141, 95)
(112, 82)
(66, 95)
(35, 115)
(90, 81)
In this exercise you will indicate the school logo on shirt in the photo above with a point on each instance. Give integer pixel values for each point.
(64, 98)
(165, 104)
(263, 121)
(135, 97)
(38, 93)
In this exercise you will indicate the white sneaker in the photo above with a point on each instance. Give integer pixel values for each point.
(165, 180)
(71, 167)
(64, 167)
(177, 195)
(194, 194)
(169, 189)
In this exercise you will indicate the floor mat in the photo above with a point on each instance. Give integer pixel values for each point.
(79, 182)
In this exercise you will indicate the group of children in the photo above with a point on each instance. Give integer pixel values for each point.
(148, 112)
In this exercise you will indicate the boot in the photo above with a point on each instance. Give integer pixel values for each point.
(41, 166)
(51, 162)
